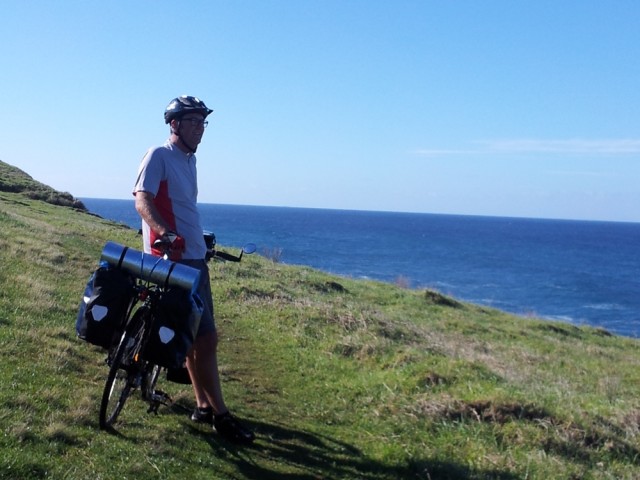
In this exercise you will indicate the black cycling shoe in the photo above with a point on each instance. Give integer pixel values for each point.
(230, 428)
(203, 415)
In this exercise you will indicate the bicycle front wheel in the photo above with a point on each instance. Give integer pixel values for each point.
(125, 371)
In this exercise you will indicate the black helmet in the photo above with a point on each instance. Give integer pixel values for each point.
(183, 105)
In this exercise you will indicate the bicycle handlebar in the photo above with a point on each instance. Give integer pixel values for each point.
(164, 245)
(248, 249)
(224, 256)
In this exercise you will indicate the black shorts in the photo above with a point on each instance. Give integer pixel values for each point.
(207, 322)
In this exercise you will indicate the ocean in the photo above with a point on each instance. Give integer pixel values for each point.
(582, 272)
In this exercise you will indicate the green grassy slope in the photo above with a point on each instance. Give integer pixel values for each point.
(340, 378)
(13, 179)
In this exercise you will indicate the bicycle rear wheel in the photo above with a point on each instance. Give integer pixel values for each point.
(125, 371)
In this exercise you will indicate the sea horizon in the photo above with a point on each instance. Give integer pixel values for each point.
(577, 271)
(515, 217)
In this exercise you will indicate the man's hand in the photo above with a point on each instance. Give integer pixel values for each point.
(171, 244)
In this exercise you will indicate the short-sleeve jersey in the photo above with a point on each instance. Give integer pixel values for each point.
(170, 175)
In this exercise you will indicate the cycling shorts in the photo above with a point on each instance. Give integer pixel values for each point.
(207, 322)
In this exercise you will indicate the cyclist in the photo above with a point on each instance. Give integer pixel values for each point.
(166, 198)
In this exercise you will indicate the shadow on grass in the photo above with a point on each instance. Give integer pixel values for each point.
(280, 452)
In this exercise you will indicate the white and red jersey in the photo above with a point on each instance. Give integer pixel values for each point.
(171, 176)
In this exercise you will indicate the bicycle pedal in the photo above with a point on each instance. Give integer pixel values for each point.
(163, 397)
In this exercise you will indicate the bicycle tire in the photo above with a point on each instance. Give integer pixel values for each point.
(124, 372)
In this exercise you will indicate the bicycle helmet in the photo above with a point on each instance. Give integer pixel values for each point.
(185, 104)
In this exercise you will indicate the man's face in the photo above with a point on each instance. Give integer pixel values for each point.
(191, 128)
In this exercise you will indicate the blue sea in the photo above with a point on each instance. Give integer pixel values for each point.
(582, 272)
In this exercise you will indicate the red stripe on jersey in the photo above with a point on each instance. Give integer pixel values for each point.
(162, 202)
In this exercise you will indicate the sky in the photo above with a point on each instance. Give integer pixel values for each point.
(484, 107)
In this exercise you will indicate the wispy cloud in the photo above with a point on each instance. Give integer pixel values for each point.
(624, 146)
(571, 146)
(579, 173)
(437, 152)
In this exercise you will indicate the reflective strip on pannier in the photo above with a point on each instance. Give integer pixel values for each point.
(176, 318)
(107, 297)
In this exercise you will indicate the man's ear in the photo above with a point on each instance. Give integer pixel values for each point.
(175, 125)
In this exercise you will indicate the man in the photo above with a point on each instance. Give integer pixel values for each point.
(166, 198)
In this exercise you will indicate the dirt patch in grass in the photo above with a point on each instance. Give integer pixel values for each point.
(495, 412)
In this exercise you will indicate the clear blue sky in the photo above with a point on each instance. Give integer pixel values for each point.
(514, 108)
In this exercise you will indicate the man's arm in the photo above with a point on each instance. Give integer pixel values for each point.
(149, 213)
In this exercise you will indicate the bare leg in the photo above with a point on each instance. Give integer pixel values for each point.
(202, 364)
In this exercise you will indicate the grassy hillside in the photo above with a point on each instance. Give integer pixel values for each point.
(341, 379)
(13, 179)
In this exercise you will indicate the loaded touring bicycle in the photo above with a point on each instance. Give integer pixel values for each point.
(144, 310)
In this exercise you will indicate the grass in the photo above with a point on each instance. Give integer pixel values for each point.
(340, 378)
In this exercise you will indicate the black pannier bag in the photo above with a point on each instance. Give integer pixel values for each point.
(176, 318)
(103, 308)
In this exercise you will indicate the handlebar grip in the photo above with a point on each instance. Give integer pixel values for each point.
(226, 256)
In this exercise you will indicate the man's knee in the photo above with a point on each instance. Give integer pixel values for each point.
(207, 340)
(203, 344)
